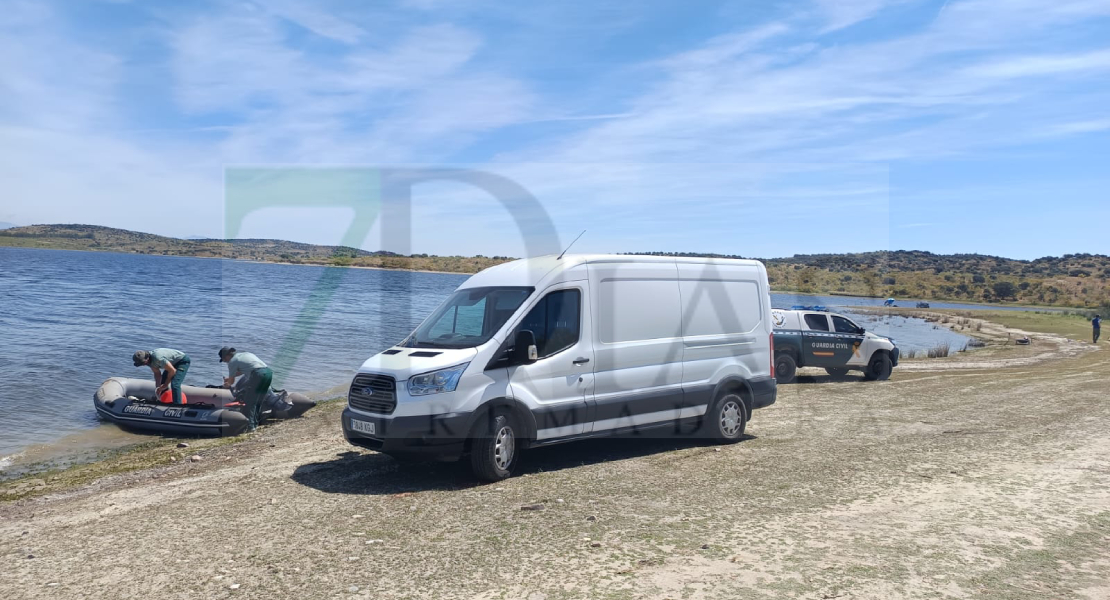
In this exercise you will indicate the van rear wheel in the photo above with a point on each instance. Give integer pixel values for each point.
(494, 451)
(726, 421)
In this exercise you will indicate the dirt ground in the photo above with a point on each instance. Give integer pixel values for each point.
(980, 476)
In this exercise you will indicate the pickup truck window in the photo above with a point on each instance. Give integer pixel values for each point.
(842, 325)
(817, 322)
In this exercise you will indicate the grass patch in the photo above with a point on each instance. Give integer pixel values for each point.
(162, 451)
(1073, 326)
(158, 452)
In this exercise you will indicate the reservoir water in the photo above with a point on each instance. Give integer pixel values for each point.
(69, 320)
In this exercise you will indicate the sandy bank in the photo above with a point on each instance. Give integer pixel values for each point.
(987, 480)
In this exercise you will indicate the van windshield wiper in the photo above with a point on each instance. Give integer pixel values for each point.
(431, 344)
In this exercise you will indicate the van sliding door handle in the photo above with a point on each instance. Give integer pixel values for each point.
(581, 360)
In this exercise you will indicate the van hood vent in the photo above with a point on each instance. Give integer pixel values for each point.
(424, 354)
(392, 351)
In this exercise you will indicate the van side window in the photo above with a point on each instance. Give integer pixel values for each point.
(817, 322)
(842, 325)
(554, 321)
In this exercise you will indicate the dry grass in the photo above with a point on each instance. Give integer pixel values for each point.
(939, 351)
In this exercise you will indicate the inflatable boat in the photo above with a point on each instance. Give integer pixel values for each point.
(132, 403)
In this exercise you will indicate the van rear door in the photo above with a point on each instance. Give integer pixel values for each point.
(723, 327)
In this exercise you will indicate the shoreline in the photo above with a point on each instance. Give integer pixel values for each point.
(987, 306)
(291, 264)
(136, 452)
(88, 445)
(82, 445)
(241, 260)
(468, 273)
(941, 447)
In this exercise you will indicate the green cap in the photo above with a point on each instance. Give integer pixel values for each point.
(140, 358)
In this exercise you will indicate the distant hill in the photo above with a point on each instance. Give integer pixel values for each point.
(7, 225)
(1074, 280)
(94, 237)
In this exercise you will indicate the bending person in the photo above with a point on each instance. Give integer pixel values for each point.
(169, 367)
(255, 382)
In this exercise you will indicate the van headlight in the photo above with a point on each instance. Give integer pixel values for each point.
(436, 382)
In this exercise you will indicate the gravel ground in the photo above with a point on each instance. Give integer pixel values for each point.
(981, 476)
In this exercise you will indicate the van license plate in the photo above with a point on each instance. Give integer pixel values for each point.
(363, 427)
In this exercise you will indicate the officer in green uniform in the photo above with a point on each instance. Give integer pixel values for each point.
(169, 366)
(255, 382)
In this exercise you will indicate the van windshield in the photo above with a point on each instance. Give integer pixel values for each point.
(468, 318)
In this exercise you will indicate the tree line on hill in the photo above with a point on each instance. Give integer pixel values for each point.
(1076, 280)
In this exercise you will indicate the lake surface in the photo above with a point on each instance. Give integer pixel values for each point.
(69, 320)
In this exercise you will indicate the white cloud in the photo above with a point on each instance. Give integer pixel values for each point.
(49, 81)
(838, 14)
(311, 17)
(1042, 65)
(734, 99)
(768, 114)
(1079, 127)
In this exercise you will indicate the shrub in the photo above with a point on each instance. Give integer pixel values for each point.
(939, 351)
(1004, 289)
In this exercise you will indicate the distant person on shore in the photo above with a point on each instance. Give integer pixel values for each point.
(1096, 327)
(169, 367)
(254, 380)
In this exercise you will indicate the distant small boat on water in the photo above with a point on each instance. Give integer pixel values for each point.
(923, 305)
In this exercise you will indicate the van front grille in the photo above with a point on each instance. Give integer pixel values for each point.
(373, 393)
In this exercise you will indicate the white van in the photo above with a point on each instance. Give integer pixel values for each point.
(553, 349)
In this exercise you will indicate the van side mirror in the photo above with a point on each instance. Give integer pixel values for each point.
(524, 348)
(861, 330)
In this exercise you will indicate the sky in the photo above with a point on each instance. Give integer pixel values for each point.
(759, 128)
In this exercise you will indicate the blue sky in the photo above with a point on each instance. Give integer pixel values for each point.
(754, 128)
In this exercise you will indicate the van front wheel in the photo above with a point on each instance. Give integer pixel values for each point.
(725, 423)
(494, 452)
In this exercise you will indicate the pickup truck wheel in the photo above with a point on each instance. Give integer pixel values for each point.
(493, 454)
(836, 372)
(879, 368)
(785, 367)
(725, 423)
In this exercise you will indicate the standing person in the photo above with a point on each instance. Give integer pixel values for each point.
(255, 382)
(1096, 326)
(169, 367)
